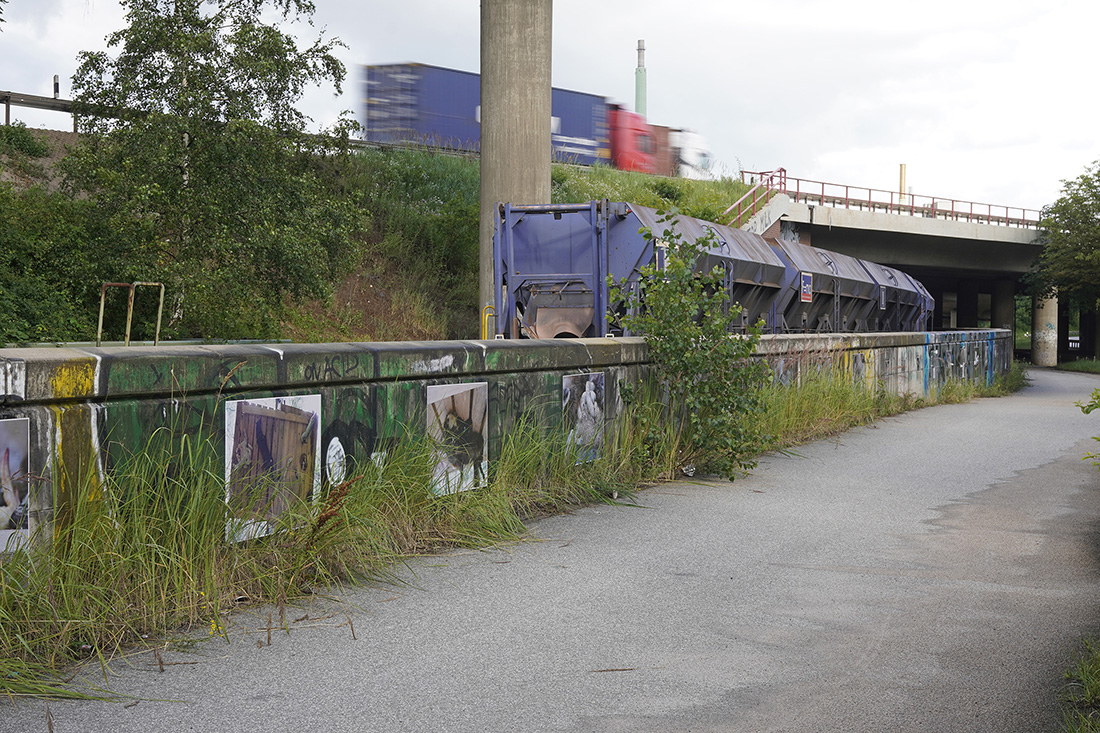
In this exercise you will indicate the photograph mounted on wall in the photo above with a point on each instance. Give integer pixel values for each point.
(457, 425)
(14, 484)
(272, 460)
(582, 409)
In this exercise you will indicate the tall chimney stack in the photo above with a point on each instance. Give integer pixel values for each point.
(639, 81)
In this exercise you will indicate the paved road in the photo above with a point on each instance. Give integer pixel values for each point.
(931, 573)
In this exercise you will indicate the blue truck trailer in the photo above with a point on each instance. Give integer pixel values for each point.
(432, 105)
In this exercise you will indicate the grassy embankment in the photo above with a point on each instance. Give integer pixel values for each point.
(417, 277)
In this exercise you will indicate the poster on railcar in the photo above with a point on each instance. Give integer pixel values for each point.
(458, 428)
(806, 288)
(582, 407)
(14, 483)
(272, 461)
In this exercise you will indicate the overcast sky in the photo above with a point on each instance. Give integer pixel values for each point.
(986, 101)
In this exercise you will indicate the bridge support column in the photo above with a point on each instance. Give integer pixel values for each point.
(1003, 305)
(515, 116)
(1044, 332)
(967, 304)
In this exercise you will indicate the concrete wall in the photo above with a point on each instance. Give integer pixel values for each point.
(67, 413)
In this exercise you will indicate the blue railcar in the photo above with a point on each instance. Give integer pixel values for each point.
(552, 265)
(437, 106)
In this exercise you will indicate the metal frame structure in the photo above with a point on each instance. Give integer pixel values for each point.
(131, 287)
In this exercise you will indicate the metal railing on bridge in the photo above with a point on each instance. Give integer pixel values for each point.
(766, 184)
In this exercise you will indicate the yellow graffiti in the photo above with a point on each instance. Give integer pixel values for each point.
(73, 379)
(75, 466)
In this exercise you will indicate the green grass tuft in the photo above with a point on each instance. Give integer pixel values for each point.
(1081, 695)
(1088, 366)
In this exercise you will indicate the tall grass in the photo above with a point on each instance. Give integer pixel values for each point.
(142, 553)
(702, 199)
(1080, 697)
(825, 401)
(1088, 366)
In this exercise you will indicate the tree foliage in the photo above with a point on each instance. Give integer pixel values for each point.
(54, 252)
(196, 155)
(703, 363)
(1070, 260)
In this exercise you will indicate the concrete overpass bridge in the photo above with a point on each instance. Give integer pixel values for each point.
(969, 255)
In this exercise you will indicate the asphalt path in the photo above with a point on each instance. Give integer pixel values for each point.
(933, 572)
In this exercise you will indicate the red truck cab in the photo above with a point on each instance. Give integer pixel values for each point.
(632, 144)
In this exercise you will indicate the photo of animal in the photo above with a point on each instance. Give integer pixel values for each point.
(457, 425)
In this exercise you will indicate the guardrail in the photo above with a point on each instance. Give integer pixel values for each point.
(766, 184)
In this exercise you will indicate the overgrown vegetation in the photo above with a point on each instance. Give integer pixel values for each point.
(197, 158)
(699, 351)
(140, 556)
(142, 552)
(1088, 366)
(822, 401)
(700, 199)
(400, 260)
(1081, 694)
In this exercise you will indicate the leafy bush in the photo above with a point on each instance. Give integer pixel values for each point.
(16, 139)
(703, 363)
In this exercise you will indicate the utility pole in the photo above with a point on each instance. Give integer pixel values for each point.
(515, 120)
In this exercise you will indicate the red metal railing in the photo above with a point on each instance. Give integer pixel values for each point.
(765, 186)
(769, 183)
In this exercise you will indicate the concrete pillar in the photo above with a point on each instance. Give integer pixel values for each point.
(1003, 305)
(1044, 332)
(515, 116)
(967, 305)
(1063, 333)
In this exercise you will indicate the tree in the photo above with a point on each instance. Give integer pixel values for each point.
(1070, 260)
(195, 150)
(703, 364)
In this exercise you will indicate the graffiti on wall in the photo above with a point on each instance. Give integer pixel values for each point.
(85, 421)
(349, 436)
(457, 425)
(272, 460)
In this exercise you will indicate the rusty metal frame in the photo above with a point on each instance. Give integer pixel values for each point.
(132, 288)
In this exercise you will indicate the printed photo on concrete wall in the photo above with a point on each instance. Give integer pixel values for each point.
(457, 424)
(272, 460)
(15, 495)
(582, 408)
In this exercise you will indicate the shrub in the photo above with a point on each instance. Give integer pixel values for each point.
(703, 364)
